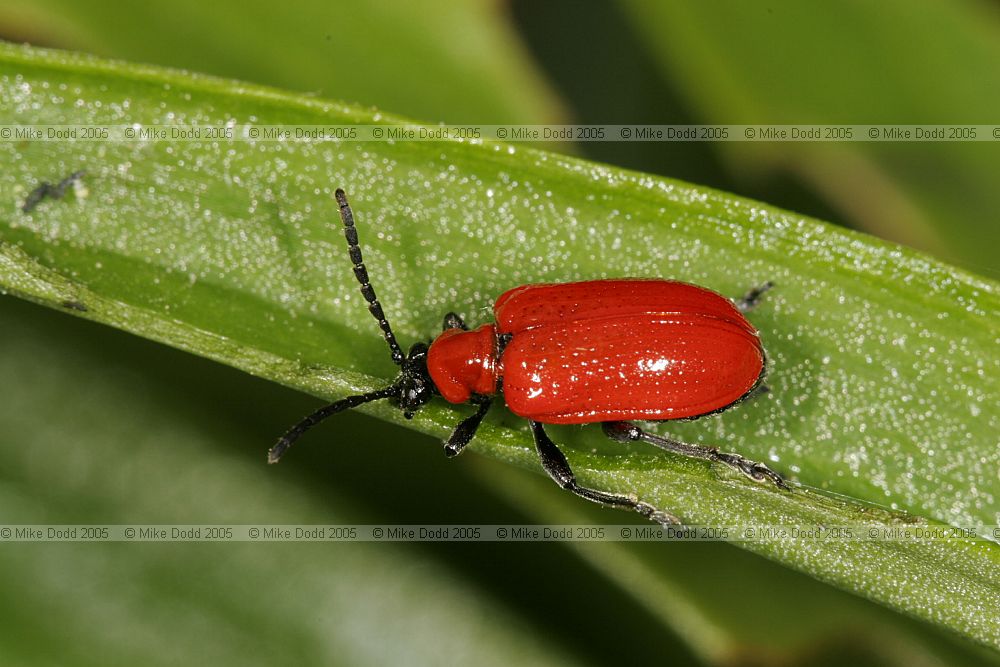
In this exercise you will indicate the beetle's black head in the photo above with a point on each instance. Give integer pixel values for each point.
(415, 384)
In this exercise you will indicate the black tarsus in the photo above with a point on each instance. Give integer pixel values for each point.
(466, 429)
(46, 190)
(361, 273)
(621, 431)
(555, 464)
(288, 439)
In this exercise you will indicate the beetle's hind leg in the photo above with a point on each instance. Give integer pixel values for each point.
(627, 432)
(749, 301)
(555, 464)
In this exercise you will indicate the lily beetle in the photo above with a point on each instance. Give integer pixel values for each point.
(608, 351)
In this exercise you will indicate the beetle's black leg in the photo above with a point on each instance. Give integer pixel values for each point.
(466, 429)
(557, 467)
(627, 432)
(750, 300)
(453, 321)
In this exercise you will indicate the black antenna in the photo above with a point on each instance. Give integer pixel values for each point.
(361, 273)
(275, 453)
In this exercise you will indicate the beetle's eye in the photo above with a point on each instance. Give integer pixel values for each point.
(408, 415)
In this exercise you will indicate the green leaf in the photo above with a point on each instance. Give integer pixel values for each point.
(884, 362)
(797, 64)
(441, 60)
(98, 433)
(729, 606)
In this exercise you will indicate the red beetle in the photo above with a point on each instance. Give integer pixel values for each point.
(604, 351)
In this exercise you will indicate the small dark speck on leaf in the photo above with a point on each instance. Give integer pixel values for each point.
(47, 190)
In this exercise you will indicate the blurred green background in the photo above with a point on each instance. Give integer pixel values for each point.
(103, 427)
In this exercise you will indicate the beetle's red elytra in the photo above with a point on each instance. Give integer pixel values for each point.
(607, 351)
(604, 350)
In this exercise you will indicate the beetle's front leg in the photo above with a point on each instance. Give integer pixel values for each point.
(555, 464)
(466, 429)
(627, 432)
